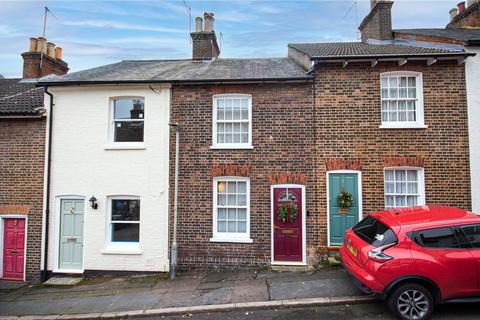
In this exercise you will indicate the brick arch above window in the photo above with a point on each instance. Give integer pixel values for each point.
(230, 170)
(342, 164)
(287, 178)
(403, 161)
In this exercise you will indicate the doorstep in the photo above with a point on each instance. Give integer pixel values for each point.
(63, 281)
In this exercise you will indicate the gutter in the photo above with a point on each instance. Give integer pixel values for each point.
(44, 272)
(394, 56)
(21, 117)
(206, 81)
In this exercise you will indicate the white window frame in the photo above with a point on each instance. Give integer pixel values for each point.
(421, 184)
(112, 144)
(121, 246)
(419, 109)
(234, 237)
(215, 144)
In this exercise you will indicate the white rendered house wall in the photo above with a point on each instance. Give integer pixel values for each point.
(473, 96)
(85, 164)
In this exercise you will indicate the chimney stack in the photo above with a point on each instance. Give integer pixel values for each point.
(453, 13)
(204, 40)
(378, 23)
(466, 17)
(42, 58)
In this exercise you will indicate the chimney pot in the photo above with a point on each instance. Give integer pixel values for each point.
(461, 7)
(373, 3)
(208, 17)
(58, 53)
(33, 45)
(453, 13)
(51, 49)
(42, 45)
(198, 24)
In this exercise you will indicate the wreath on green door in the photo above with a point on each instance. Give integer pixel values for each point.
(287, 212)
(345, 199)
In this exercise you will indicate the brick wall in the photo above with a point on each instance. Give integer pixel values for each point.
(22, 150)
(378, 23)
(204, 46)
(283, 144)
(348, 119)
(31, 65)
(342, 132)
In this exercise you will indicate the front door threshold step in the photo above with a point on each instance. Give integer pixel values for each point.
(63, 281)
(286, 268)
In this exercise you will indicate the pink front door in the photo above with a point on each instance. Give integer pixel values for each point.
(13, 248)
(287, 235)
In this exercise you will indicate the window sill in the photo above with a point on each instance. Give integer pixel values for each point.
(232, 147)
(231, 240)
(403, 126)
(139, 146)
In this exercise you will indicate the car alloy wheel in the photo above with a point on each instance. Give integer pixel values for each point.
(413, 304)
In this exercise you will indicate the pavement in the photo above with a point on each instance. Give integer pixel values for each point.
(192, 292)
(364, 311)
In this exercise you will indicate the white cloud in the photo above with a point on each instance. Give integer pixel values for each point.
(8, 32)
(120, 25)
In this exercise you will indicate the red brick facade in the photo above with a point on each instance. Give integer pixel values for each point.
(348, 119)
(294, 143)
(22, 150)
(282, 144)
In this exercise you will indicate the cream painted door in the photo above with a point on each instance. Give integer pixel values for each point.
(71, 234)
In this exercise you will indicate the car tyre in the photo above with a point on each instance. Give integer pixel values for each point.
(411, 301)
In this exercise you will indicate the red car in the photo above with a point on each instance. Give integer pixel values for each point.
(415, 258)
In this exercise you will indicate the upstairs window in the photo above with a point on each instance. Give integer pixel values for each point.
(128, 119)
(404, 187)
(232, 121)
(402, 100)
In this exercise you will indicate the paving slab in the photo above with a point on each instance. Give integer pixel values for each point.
(63, 281)
(312, 289)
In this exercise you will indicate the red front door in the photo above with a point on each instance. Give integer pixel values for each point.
(13, 248)
(287, 229)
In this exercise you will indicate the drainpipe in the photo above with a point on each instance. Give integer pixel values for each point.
(44, 272)
(173, 259)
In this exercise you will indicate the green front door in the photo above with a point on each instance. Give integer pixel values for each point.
(71, 234)
(342, 219)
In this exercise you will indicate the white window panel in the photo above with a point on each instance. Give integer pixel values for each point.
(123, 222)
(127, 121)
(232, 121)
(231, 209)
(404, 187)
(401, 100)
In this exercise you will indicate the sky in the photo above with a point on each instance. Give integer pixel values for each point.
(94, 33)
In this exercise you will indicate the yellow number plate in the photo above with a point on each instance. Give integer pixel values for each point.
(352, 249)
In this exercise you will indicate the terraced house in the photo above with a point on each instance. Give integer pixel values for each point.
(23, 130)
(277, 157)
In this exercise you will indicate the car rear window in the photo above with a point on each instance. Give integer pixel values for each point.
(374, 232)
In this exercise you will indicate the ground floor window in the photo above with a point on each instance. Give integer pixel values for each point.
(403, 187)
(124, 219)
(231, 208)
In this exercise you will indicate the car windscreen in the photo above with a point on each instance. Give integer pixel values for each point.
(374, 232)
